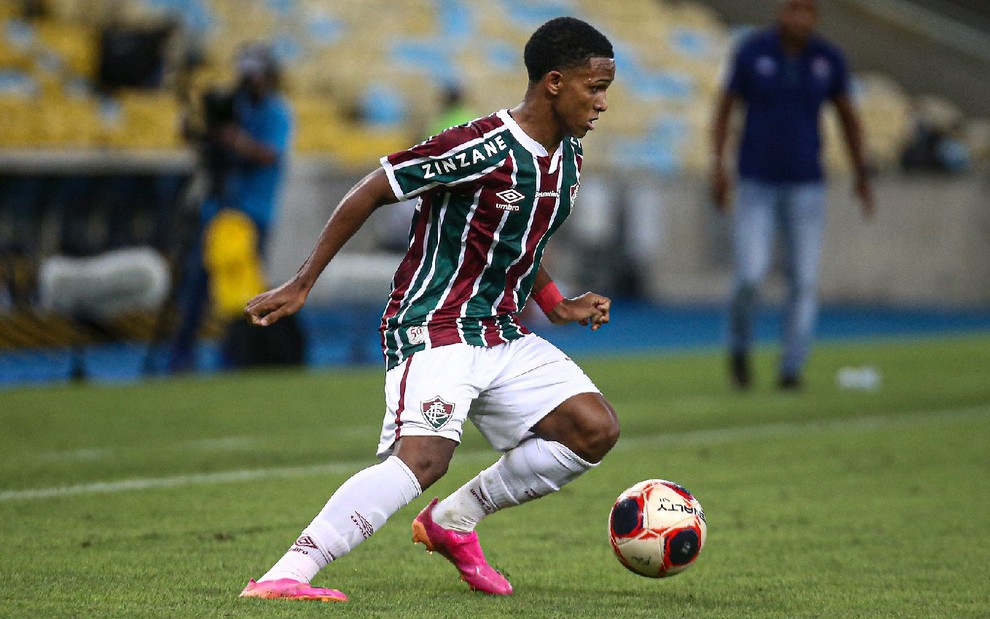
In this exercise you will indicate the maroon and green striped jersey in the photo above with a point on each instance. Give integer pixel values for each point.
(490, 197)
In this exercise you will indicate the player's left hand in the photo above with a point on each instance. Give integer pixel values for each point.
(588, 309)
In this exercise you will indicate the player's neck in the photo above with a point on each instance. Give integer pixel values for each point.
(793, 44)
(538, 124)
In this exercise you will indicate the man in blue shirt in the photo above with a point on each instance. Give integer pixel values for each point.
(247, 147)
(782, 75)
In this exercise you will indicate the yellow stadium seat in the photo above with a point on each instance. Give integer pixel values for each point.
(76, 45)
(150, 120)
(359, 147)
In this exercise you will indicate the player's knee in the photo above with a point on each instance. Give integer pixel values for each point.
(586, 424)
(804, 288)
(427, 469)
(596, 433)
(603, 435)
(427, 459)
(747, 289)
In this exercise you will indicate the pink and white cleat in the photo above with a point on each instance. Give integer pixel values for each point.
(461, 549)
(288, 589)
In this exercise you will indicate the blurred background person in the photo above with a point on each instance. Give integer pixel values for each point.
(454, 110)
(244, 144)
(782, 75)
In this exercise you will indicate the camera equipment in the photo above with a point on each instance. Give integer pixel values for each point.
(218, 110)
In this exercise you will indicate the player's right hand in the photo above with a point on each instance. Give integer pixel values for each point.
(268, 307)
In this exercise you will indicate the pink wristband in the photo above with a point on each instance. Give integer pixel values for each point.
(548, 297)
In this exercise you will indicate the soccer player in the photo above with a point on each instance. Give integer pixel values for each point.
(491, 193)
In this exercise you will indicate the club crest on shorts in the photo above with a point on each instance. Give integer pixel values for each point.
(437, 412)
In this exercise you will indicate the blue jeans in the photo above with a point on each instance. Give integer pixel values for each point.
(797, 211)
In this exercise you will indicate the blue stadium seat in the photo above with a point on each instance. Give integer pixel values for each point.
(431, 56)
(17, 83)
(456, 19)
(529, 14)
(383, 106)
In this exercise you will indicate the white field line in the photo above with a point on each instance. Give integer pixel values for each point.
(227, 443)
(695, 437)
(792, 428)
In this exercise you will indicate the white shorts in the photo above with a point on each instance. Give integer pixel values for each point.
(505, 390)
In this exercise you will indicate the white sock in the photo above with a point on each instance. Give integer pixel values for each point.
(532, 469)
(357, 509)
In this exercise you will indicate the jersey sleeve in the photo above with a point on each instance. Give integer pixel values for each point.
(451, 158)
(276, 130)
(840, 76)
(737, 80)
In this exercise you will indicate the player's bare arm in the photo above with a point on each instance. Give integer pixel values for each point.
(240, 142)
(588, 308)
(721, 183)
(852, 130)
(354, 209)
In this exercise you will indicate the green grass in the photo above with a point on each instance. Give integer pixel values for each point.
(827, 503)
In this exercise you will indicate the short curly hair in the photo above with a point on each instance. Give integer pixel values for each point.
(563, 43)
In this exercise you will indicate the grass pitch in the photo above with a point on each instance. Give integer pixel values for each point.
(161, 499)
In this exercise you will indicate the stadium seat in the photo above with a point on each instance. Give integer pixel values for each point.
(73, 45)
(150, 120)
(669, 54)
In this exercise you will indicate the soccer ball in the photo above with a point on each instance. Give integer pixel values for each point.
(657, 528)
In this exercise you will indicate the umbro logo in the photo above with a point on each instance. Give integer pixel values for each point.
(306, 541)
(510, 195)
(362, 524)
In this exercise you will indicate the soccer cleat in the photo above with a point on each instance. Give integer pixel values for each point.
(461, 549)
(739, 370)
(288, 589)
(790, 382)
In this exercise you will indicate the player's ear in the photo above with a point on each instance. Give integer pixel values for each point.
(553, 82)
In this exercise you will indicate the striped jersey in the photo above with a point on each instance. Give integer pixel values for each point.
(490, 197)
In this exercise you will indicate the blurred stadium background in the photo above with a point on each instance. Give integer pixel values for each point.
(92, 93)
